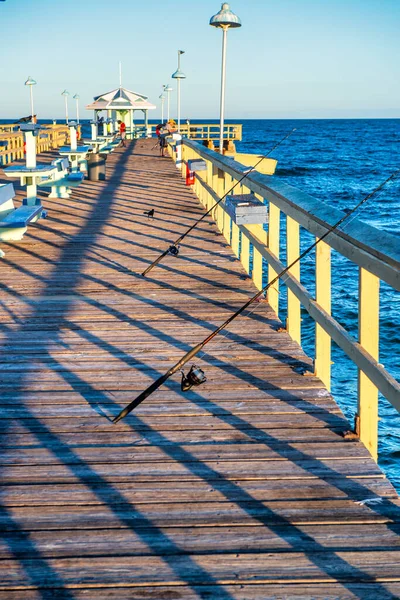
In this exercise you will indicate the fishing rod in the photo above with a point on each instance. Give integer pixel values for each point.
(196, 376)
(173, 249)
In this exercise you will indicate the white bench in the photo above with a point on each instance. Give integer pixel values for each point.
(14, 221)
(61, 182)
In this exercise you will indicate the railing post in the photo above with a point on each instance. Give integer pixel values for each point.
(257, 271)
(293, 323)
(228, 223)
(368, 335)
(273, 244)
(322, 365)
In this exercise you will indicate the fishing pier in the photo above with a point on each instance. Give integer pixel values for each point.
(250, 486)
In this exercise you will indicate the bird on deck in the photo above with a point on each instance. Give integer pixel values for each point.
(150, 213)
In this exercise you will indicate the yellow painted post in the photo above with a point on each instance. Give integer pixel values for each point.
(227, 219)
(235, 238)
(273, 244)
(322, 364)
(185, 153)
(368, 333)
(209, 180)
(219, 189)
(293, 323)
(257, 273)
(245, 253)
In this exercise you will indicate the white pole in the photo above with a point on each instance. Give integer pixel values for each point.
(168, 92)
(222, 104)
(162, 111)
(179, 105)
(66, 109)
(32, 113)
(77, 111)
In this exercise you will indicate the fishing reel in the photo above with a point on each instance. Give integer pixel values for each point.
(173, 250)
(195, 376)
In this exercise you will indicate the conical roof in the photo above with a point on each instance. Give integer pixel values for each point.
(120, 99)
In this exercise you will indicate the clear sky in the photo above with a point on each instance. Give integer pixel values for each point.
(290, 59)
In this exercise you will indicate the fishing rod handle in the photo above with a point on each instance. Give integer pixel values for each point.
(156, 384)
(152, 388)
(153, 264)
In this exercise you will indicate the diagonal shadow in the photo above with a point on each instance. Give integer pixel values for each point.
(215, 475)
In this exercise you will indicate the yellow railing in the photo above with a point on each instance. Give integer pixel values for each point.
(12, 143)
(207, 131)
(376, 253)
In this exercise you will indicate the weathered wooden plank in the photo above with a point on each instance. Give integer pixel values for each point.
(238, 591)
(190, 469)
(192, 540)
(196, 452)
(246, 568)
(143, 492)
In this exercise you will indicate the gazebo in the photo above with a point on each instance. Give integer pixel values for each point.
(120, 105)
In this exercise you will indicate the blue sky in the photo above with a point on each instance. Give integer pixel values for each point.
(290, 59)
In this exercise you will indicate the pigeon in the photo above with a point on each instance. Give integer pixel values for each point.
(150, 213)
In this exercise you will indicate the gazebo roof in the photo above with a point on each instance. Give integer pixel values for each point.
(120, 99)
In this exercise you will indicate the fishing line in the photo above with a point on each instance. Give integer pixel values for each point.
(196, 376)
(307, 259)
(173, 249)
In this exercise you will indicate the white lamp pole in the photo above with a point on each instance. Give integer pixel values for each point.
(30, 83)
(168, 89)
(224, 19)
(162, 98)
(76, 97)
(66, 94)
(178, 75)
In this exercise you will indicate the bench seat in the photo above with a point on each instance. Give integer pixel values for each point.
(20, 217)
(76, 176)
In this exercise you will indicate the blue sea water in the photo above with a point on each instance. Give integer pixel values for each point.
(340, 162)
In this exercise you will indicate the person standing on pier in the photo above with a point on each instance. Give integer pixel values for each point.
(122, 132)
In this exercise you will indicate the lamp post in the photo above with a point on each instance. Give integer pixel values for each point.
(30, 83)
(168, 89)
(224, 19)
(66, 94)
(76, 97)
(162, 98)
(178, 75)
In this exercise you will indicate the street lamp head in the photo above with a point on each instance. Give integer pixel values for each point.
(76, 97)
(178, 75)
(225, 18)
(162, 97)
(30, 81)
(65, 93)
(168, 88)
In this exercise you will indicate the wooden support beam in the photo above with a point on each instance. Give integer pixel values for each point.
(293, 323)
(323, 297)
(273, 244)
(368, 332)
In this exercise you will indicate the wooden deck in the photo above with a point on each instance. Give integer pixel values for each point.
(243, 488)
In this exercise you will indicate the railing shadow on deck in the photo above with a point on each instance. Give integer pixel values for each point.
(102, 210)
(93, 480)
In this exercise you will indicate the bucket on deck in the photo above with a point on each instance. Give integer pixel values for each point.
(96, 167)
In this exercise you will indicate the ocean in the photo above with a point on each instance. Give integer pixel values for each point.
(340, 162)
